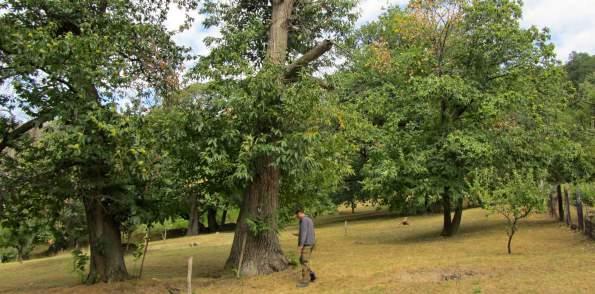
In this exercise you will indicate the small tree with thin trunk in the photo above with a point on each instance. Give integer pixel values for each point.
(514, 196)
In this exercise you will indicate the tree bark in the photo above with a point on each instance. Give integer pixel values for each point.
(212, 220)
(262, 253)
(451, 225)
(446, 210)
(279, 31)
(223, 217)
(8, 137)
(194, 218)
(107, 255)
(314, 53)
(510, 242)
(579, 211)
(567, 204)
(458, 216)
(560, 204)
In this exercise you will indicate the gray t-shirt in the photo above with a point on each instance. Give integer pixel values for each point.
(306, 236)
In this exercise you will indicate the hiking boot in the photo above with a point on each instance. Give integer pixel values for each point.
(312, 277)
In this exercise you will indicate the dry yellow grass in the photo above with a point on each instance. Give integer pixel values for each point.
(378, 255)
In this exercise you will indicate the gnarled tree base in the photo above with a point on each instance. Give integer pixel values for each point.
(262, 252)
(451, 225)
(107, 255)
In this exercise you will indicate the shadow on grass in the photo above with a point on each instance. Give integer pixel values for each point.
(363, 216)
(433, 235)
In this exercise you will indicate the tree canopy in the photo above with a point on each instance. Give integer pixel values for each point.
(433, 107)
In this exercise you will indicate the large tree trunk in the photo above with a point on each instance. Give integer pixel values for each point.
(451, 224)
(262, 253)
(560, 204)
(212, 220)
(456, 219)
(223, 217)
(107, 255)
(194, 218)
(446, 210)
(279, 31)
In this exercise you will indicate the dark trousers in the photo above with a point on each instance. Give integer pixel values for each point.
(305, 262)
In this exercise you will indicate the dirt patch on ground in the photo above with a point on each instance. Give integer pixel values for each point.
(436, 275)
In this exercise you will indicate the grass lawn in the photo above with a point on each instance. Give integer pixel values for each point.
(378, 255)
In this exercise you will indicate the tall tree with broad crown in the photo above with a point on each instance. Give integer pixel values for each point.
(260, 63)
(70, 61)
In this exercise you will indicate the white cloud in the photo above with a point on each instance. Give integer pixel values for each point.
(572, 23)
(193, 37)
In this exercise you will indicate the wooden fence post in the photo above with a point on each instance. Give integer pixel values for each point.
(189, 275)
(345, 227)
(567, 204)
(579, 211)
(559, 201)
(589, 225)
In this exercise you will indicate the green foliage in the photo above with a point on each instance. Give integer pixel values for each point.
(79, 262)
(587, 191)
(580, 65)
(138, 251)
(445, 95)
(21, 236)
(69, 63)
(450, 94)
(198, 145)
(293, 259)
(8, 254)
(258, 226)
(513, 195)
(240, 50)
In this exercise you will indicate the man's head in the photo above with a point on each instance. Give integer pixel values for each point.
(299, 213)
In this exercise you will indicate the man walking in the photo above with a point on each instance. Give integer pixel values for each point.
(306, 242)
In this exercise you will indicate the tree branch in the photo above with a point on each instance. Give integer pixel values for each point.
(307, 58)
(8, 137)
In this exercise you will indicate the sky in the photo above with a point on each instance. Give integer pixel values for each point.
(571, 22)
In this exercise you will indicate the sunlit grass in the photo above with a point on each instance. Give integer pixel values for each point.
(378, 255)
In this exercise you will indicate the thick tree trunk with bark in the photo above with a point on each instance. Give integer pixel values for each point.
(262, 253)
(456, 219)
(560, 204)
(451, 223)
(446, 210)
(107, 255)
(279, 31)
(194, 218)
(223, 218)
(212, 220)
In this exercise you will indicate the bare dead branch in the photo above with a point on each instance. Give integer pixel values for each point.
(307, 58)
